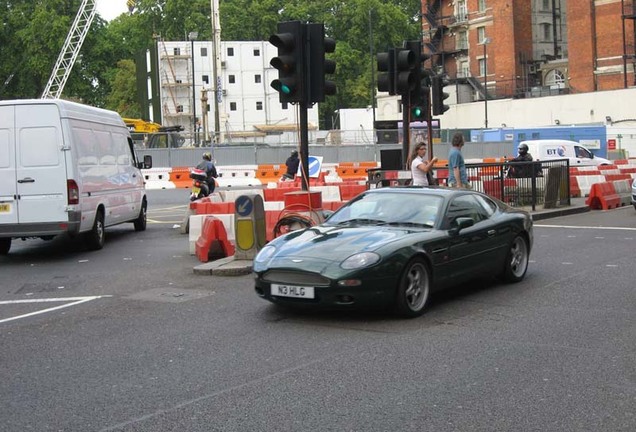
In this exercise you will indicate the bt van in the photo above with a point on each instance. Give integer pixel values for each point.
(577, 154)
(66, 168)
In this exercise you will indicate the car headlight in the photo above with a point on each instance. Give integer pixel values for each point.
(360, 260)
(265, 254)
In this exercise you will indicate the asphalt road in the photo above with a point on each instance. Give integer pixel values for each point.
(144, 344)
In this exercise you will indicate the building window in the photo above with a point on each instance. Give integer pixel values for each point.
(462, 40)
(230, 52)
(232, 106)
(259, 106)
(257, 52)
(481, 34)
(462, 11)
(464, 69)
(205, 79)
(546, 30)
(482, 67)
(204, 52)
(555, 79)
(231, 79)
(546, 5)
(176, 51)
(257, 78)
(481, 5)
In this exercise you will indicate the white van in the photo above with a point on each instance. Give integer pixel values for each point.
(66, 168)
(563, 149)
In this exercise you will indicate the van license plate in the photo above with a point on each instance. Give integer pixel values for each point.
(292, 291)
(5, 208)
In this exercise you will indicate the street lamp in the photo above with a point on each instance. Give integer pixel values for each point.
(192, 36)
(485, 42)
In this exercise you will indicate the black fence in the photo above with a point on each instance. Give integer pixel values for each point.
(520, 184)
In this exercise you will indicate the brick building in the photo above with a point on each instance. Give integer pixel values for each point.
(530, 48)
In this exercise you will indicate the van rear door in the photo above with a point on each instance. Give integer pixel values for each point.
(40, 165)
(8, 185)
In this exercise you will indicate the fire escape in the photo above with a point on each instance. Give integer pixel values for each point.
(176, 85)
(439, 26)
(629, 46)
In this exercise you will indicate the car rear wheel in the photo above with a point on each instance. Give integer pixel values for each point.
(516, 263)
(413, 289)
(5, 245)
(142, 219)
(96, 236)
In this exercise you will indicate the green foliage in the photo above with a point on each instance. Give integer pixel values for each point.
(33, 33)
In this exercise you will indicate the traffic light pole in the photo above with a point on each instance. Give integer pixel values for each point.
(406, 136)
(429, 129)
(304, 145)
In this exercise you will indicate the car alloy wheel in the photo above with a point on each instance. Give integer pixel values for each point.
(517, 260)
(413, 289)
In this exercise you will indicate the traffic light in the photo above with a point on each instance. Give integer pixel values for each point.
(319, 66)
(386, 71)
(419, 96)
(289, 41)
(404, 71)
(438, 96)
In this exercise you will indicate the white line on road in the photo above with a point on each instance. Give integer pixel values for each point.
(586, 227)
(74, 301)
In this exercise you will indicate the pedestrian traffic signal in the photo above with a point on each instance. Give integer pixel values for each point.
(386, 71)
(438, 96)
(319, 66)
(419, 96)
(289, 63)
(404, 71)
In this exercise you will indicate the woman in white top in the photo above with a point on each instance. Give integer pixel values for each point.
(420, 166)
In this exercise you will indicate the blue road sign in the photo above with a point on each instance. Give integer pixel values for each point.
(243, 205)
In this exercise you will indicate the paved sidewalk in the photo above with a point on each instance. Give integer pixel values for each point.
(231, 267)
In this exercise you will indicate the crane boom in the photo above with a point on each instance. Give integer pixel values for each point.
(70, 50)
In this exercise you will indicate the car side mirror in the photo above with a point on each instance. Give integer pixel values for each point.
(147, 163)
(461, 223)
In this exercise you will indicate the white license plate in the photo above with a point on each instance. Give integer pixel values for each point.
(292, 291)
(5, 208)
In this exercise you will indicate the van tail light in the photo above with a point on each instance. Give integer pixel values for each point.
(73, 192)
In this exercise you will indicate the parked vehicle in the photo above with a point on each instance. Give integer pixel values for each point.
(577, 154)
(66, 168)
(392, 247)
(634, 193)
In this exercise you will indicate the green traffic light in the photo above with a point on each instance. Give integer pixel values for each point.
(417, 111)
(285, 89)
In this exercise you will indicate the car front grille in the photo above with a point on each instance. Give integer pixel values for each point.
(295, 278)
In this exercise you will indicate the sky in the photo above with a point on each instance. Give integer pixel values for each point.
(109, 9)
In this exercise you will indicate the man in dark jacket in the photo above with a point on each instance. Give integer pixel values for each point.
(210, 170)
(292, 166)
(523, 169)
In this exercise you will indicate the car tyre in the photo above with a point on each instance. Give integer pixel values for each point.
(413, 289)
(517, 259)
(142, 220)
(96, 236)
(5, 245)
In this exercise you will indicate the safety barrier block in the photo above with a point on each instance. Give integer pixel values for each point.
(278, 193)
(575, 190)
(348, 191)
(349, 172)
(213, 242)
(629, 170)
(616, 177)
(585, 182)
(623, 189)
(493, 188)
(332, 205)
(180, 176)
(329, 193)
(607, 167)
(584, 171)
(603, 196)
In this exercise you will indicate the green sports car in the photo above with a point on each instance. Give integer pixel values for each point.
(392, 247)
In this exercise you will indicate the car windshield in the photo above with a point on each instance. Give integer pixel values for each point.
(395, 209)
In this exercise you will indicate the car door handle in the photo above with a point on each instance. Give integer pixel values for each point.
(26, 180)
(492, 232)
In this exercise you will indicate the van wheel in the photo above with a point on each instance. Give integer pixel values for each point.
(141, 221)
(95, 238)
(5, 245)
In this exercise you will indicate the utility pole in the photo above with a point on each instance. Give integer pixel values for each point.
(216, 65)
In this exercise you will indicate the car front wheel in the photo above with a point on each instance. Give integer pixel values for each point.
(516, 263)
(413, 289)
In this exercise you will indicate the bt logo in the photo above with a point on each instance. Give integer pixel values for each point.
(560, 151)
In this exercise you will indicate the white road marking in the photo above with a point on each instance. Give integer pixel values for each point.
(586, 227)
(74, 301)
